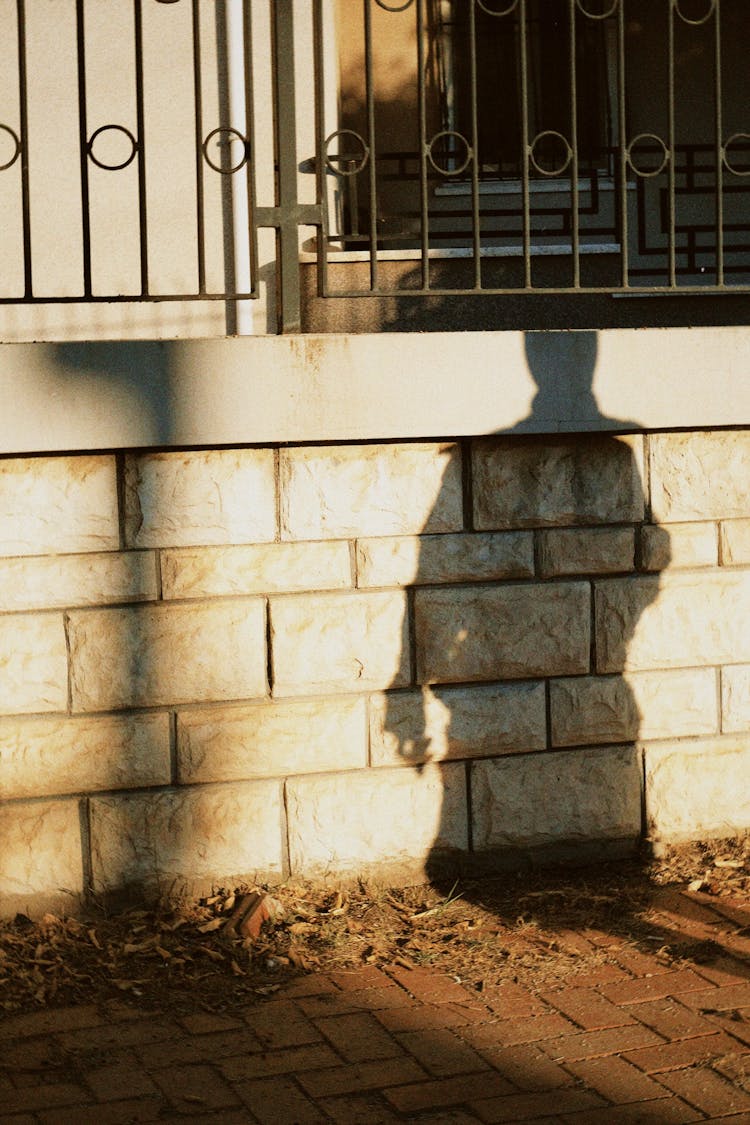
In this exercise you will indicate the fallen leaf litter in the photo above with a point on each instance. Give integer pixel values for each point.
(242, 943)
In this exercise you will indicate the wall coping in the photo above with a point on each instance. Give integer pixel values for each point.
(266, 389)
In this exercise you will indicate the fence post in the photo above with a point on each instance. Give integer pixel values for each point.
(288, 213)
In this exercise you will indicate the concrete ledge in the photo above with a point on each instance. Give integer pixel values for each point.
(268, 389)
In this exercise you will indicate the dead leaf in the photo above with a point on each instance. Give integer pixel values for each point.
(212, 954)
(301, 927)
(297, 958)
(209, 927)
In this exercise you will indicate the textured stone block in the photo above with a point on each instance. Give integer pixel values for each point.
(541, 799)
(187, 836)
(735, 698)
(700, 476)
(40, 857)
(735, 542)
(463, 722)
(494, 632)
(698, 788)
(596, 709)
(372, 818)
(73, 580)
(272, 739)
(595, 550)
(52, 505)
(681, 620)
(33, 664)
(429, 559)
(40, 757)
(188, 499)
(338, 642)
(150, 656)
(679, 545)
(265, 569)
(343, 492)
(528, 482)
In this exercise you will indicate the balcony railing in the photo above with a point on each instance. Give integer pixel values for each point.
(182, 150)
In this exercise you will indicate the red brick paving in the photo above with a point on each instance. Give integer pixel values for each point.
(588, 1008)
(636, 1042)
(675, 1056)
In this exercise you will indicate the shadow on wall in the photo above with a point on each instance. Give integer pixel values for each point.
(119, 655)
(519, 688)
(516, 694)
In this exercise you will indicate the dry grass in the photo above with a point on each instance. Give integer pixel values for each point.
(533, 928)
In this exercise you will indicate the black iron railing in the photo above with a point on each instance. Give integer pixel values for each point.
(499, 146)
(109, 166)
(591, 145)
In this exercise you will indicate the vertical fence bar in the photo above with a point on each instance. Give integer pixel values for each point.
(671, 137)
(141, 132)
(24, 130)
(423, 186)
(285, 139)
(574, 145)
(238, 312)
(252, 233)
(622, 143)
(476, 234)
(83, 139)
(371, 141)
(719, 147)
(525, 189)
(224, 46)
(320, 136)
(197, 94)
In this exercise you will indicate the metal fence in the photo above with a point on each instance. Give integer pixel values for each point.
(551, 145)
(437, 147)
(126, 152)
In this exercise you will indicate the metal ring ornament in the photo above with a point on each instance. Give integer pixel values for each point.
(394, 7)
(724, 158)
(646, 174)
(491, 12)
(568, 153)
(112, 129)
(360, 165)
(694, 23)
(449, 171)
(16, 146)
(229, 132)
(598, 15)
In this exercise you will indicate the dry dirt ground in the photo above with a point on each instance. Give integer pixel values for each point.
(221, 952)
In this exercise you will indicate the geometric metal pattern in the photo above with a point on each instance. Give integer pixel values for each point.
(554, 146)
(499, 146)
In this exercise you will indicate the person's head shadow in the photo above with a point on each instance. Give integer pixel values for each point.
(563, 366)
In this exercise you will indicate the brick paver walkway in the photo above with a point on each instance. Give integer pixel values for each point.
(631, 1040)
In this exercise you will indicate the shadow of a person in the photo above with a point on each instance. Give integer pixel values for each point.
(519, 663)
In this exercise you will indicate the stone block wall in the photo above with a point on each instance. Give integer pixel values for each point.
(251, 662)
